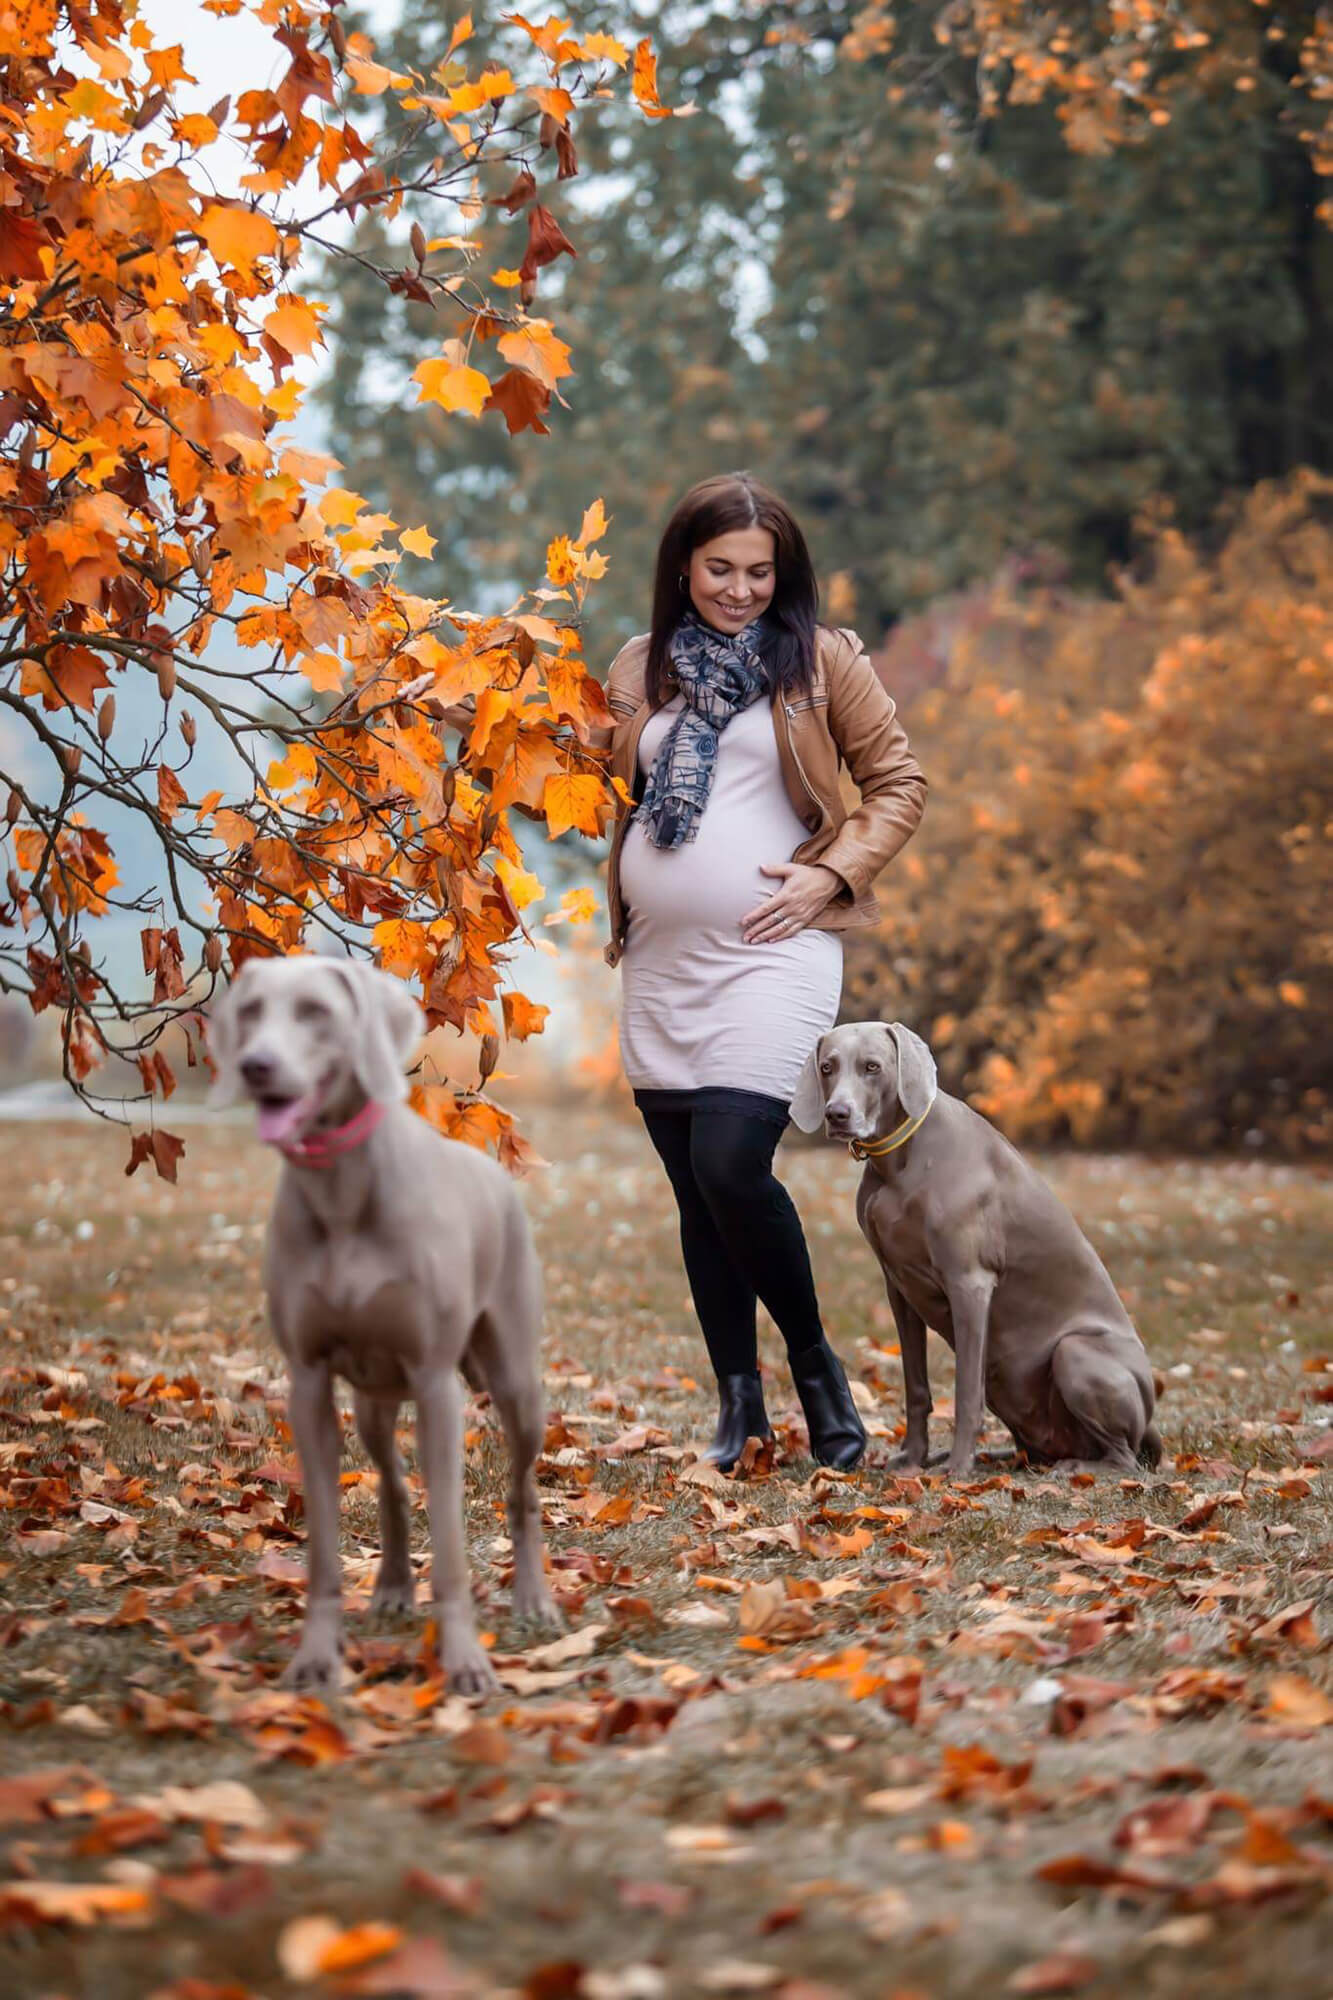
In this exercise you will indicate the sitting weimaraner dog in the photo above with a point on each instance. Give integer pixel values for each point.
(395, 1257)
(973, 1243)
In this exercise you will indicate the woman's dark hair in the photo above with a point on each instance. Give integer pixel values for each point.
(715, 507)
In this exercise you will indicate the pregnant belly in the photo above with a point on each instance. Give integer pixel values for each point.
(706, 885)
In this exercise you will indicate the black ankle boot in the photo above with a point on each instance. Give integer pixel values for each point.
(740, 1415)
(837, 1435)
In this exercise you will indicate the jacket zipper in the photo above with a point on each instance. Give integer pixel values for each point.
(641, 719)
(810, 792)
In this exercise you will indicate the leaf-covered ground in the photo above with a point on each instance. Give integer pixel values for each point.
(807, 1735)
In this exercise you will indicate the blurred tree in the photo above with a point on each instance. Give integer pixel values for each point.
(956, 293)
(662, 382)
(989, 338)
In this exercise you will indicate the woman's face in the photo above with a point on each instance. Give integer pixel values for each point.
(733, 577)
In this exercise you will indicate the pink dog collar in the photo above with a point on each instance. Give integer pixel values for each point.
(321, 1149)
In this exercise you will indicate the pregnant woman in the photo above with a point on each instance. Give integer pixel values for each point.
(729, 883)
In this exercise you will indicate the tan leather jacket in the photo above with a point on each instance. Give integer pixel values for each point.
(848, 719)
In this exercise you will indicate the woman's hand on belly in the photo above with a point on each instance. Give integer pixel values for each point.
(807, 889)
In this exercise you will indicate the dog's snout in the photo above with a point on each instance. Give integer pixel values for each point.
(257, 1069)
(837, 1111)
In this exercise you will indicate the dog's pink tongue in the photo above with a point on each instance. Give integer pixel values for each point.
(279, 1122)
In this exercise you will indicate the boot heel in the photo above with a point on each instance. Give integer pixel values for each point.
(837, 1435)
(741, 1414)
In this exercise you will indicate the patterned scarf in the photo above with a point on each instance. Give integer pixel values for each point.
(719, 674)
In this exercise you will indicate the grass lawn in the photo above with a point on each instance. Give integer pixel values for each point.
(806, 1735)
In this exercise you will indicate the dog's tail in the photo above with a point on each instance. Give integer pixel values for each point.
(1150, 1448)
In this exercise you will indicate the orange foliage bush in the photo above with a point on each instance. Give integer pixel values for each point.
(1115, 924)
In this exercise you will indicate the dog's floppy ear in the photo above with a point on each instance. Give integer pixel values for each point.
(388, 1025)
(807, 1105)
(917, 1081)
(222, 1045)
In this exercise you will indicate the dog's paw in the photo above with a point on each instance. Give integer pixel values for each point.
(466, 1667)
(906, 1461)
(315, 1670)
(393, 1598)
(534, 1605)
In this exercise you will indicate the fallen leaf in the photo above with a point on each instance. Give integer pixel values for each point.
(767, 1610)
(899, 1799)
(225, 1800)
(23, 1799)
(86, 1719)
(1182, 1933)
(420, 1967)
(706, 1842)
(78, 1903)
(752, 1812)
(463, 1894)
(738, 1975)
(1166, 1826)
(358, 1946)
(1062, 1972)
(484, 1743)
(302, 1944)
(627, 1982)
(1298, 1701)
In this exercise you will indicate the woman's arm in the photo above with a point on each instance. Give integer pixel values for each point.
(621, 698)
(863, 722)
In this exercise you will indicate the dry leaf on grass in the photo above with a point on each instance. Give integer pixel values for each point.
(484, 1743)
(1299, 1702)
(23, 1800)
(696, 1614)
(463, 1894)
(580, 1645)
(738, 1975)
(1182, 1933)
(302, 1944)
(627, 1982)
(708, 1843)
(225, 1801)
(1062, 1972)
(85, 1719)
(359, 1945)
(311, 1946)
(79, 1903)
(898, 1799)
(767, 1610)
(420, 1967)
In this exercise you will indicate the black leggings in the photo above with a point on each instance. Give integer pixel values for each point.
(739, 1231)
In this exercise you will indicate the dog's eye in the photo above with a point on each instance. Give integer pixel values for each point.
(826, 1069)
(248, 1012)
(311, 1010)
(872, 1069)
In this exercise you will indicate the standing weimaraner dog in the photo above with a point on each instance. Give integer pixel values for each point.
(974, 1243)
(394, 1257)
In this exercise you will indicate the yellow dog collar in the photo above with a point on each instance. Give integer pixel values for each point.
(874, 1149)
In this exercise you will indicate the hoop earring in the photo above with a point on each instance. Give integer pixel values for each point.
(682, 582)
